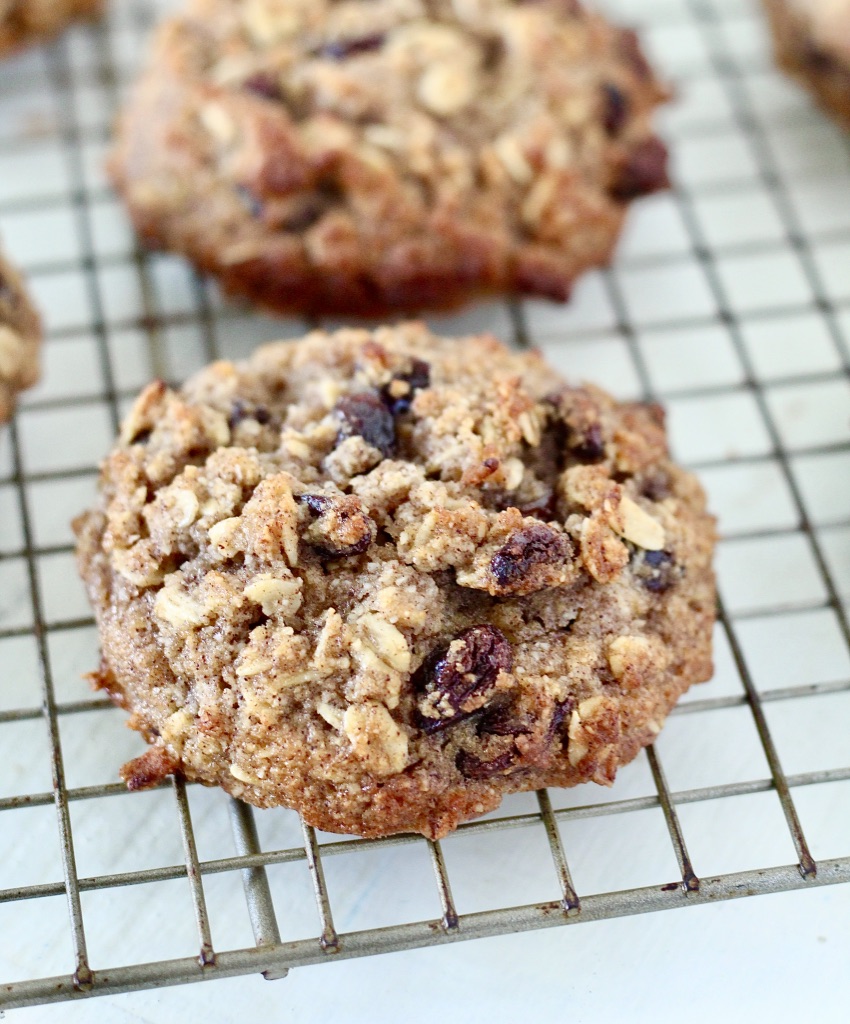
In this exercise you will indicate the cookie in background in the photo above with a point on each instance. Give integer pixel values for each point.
(20, 338)
(380, 156)
(23, 22)
(812, 43)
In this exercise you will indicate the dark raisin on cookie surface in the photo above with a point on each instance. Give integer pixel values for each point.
(385, 578)
(382, 155)
(20, 338)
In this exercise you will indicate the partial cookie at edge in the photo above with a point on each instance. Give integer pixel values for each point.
(812, 43)
(20, 338)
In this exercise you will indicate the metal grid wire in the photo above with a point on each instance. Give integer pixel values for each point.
(730, 303)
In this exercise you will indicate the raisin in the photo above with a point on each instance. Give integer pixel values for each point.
(493, 52)
(317, 503)
(417, 379)
(575, 428)
(457, 676)
(658, 571)
(305, 215)
(502, 720)
(240, 411)
(263, 84)
(472, 767)
(563, 709)
(506, 721)
(339, 49)
(588, 446)
(545, 507)
(615, 108)
(513, 566)
(656, 486)
(346, 550)
(341, 529)
(818, 59)
(644, 171)
(366, 416)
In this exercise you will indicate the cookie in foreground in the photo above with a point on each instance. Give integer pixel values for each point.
(386, 155)
(20, 338)
(385, 578)
(812, 43)
(23, 22)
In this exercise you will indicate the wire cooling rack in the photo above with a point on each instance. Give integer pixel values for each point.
(730, 302)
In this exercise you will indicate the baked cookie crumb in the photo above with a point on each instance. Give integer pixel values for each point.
(385, 578)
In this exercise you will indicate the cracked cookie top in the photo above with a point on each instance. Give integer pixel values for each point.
(361, 156)
(384, 577)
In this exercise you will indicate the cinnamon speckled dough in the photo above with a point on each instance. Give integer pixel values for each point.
(25, 21)
(385, 578)
(812, 43)
(20, 338)
(380, 155)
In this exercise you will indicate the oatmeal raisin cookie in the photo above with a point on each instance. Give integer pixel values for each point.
(381, 155)
(385, 578)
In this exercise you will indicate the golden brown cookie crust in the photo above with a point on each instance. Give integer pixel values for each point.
(385, 155)
(812, 43)
(385, 578)
(23, 22)
(20, 338)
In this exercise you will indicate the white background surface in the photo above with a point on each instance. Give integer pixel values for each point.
(746, 187)
(776, 958)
